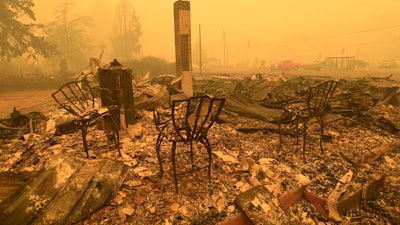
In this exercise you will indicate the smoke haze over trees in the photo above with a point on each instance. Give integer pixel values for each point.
(19, 37)
(251, 33)
(70, 34)
(127, 31)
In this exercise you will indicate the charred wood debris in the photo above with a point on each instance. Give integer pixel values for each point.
(361, 138)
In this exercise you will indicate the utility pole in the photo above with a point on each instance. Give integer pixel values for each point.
(227, 54)
(201, 64)
(224, 47)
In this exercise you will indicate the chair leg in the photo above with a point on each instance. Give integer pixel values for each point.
(321, 135)
(158, 148)
(206, 143)
(191, 154)
(304, 138)
(174, 166)
(115, 132)
(84, 127)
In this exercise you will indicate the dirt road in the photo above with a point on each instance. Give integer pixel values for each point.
(23, 100)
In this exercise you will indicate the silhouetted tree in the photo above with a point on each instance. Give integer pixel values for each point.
(70, 35)
(18, 37)
(127, 31)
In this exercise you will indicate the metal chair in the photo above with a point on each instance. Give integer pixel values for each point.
(78, 99)
(313, 105)
(188, 121)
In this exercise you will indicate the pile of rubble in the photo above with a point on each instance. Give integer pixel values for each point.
(251, 179)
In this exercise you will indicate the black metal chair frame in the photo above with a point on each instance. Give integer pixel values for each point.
(78, 99)
(188, 121)
(313, 105)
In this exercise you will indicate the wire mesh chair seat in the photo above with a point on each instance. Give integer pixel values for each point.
(313, 105)
(78, 99)
(188, 121)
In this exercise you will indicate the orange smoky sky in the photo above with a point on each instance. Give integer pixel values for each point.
(244, 31)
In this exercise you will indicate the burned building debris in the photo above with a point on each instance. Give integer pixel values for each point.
(293, 143)
(355, 180)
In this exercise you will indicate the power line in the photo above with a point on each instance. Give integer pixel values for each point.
(321, 37)
(344, 34)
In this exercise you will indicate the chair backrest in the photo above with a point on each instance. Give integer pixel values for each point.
(192, 117)
(76, 97)
(318, 97)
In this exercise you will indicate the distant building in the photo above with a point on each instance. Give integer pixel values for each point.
(340, 63)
